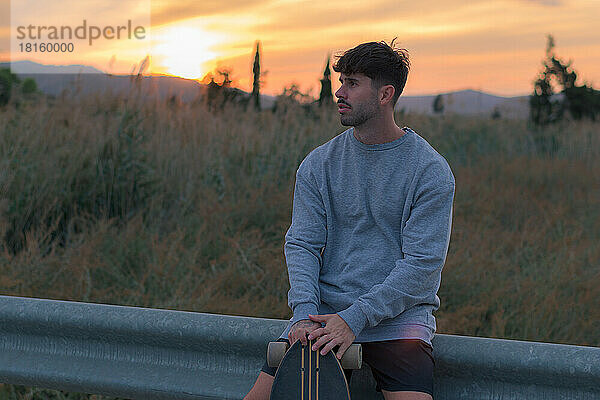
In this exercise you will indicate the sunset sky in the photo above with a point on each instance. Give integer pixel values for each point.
(493, 46)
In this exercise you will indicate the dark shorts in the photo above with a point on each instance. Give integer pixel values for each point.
(397, 365)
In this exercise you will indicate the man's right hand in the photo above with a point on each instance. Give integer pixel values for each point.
(301, 329)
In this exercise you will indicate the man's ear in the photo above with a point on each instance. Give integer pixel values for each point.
(386, 94)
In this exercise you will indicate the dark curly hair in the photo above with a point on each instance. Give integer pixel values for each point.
(382, 62)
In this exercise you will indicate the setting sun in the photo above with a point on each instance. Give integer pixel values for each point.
(184, 51)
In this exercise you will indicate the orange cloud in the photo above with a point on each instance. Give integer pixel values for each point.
(165, 12)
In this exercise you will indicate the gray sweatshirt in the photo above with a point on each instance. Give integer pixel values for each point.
(369, 235)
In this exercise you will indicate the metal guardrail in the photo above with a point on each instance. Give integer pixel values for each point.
(143, 353)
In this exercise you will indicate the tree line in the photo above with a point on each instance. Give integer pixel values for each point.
(219, 89)
(573, 101)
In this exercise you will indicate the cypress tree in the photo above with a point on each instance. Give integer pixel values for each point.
(326, 95)
(256, 83)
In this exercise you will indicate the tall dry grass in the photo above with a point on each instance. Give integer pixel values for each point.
(119, 200)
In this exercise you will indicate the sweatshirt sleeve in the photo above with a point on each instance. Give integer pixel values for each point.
(416, 276)
(304, 240)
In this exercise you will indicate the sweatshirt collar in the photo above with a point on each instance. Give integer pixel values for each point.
(380, 146)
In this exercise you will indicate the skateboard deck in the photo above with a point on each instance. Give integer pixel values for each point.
(307, 375)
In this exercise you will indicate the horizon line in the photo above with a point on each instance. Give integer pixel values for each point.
(198, 80)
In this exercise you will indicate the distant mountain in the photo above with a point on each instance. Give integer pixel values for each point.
(54, 79)
(468, 102)
(30, 67)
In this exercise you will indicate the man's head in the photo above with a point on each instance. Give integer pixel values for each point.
(382, 66)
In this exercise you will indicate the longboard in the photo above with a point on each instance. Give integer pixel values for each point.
(304, 374)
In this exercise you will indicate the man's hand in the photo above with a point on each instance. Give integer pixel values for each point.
(300, 329)
(335, 332)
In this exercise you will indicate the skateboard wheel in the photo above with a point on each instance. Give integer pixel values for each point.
(352, 358)
(275, 353)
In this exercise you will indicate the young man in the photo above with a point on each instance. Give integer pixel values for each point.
(370, 230)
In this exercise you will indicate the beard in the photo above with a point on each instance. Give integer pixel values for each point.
(360, 113)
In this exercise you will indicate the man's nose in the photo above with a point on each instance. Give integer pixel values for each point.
(339, 93)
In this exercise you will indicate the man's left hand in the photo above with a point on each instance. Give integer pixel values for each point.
(335, 332)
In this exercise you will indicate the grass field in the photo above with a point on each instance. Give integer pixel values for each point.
(116, 200)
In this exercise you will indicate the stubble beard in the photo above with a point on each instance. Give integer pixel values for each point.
(359, 114)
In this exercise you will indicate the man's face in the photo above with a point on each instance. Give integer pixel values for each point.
(357, 99)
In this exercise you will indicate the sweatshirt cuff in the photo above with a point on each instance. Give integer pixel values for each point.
(355, 318)
(301, 312)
